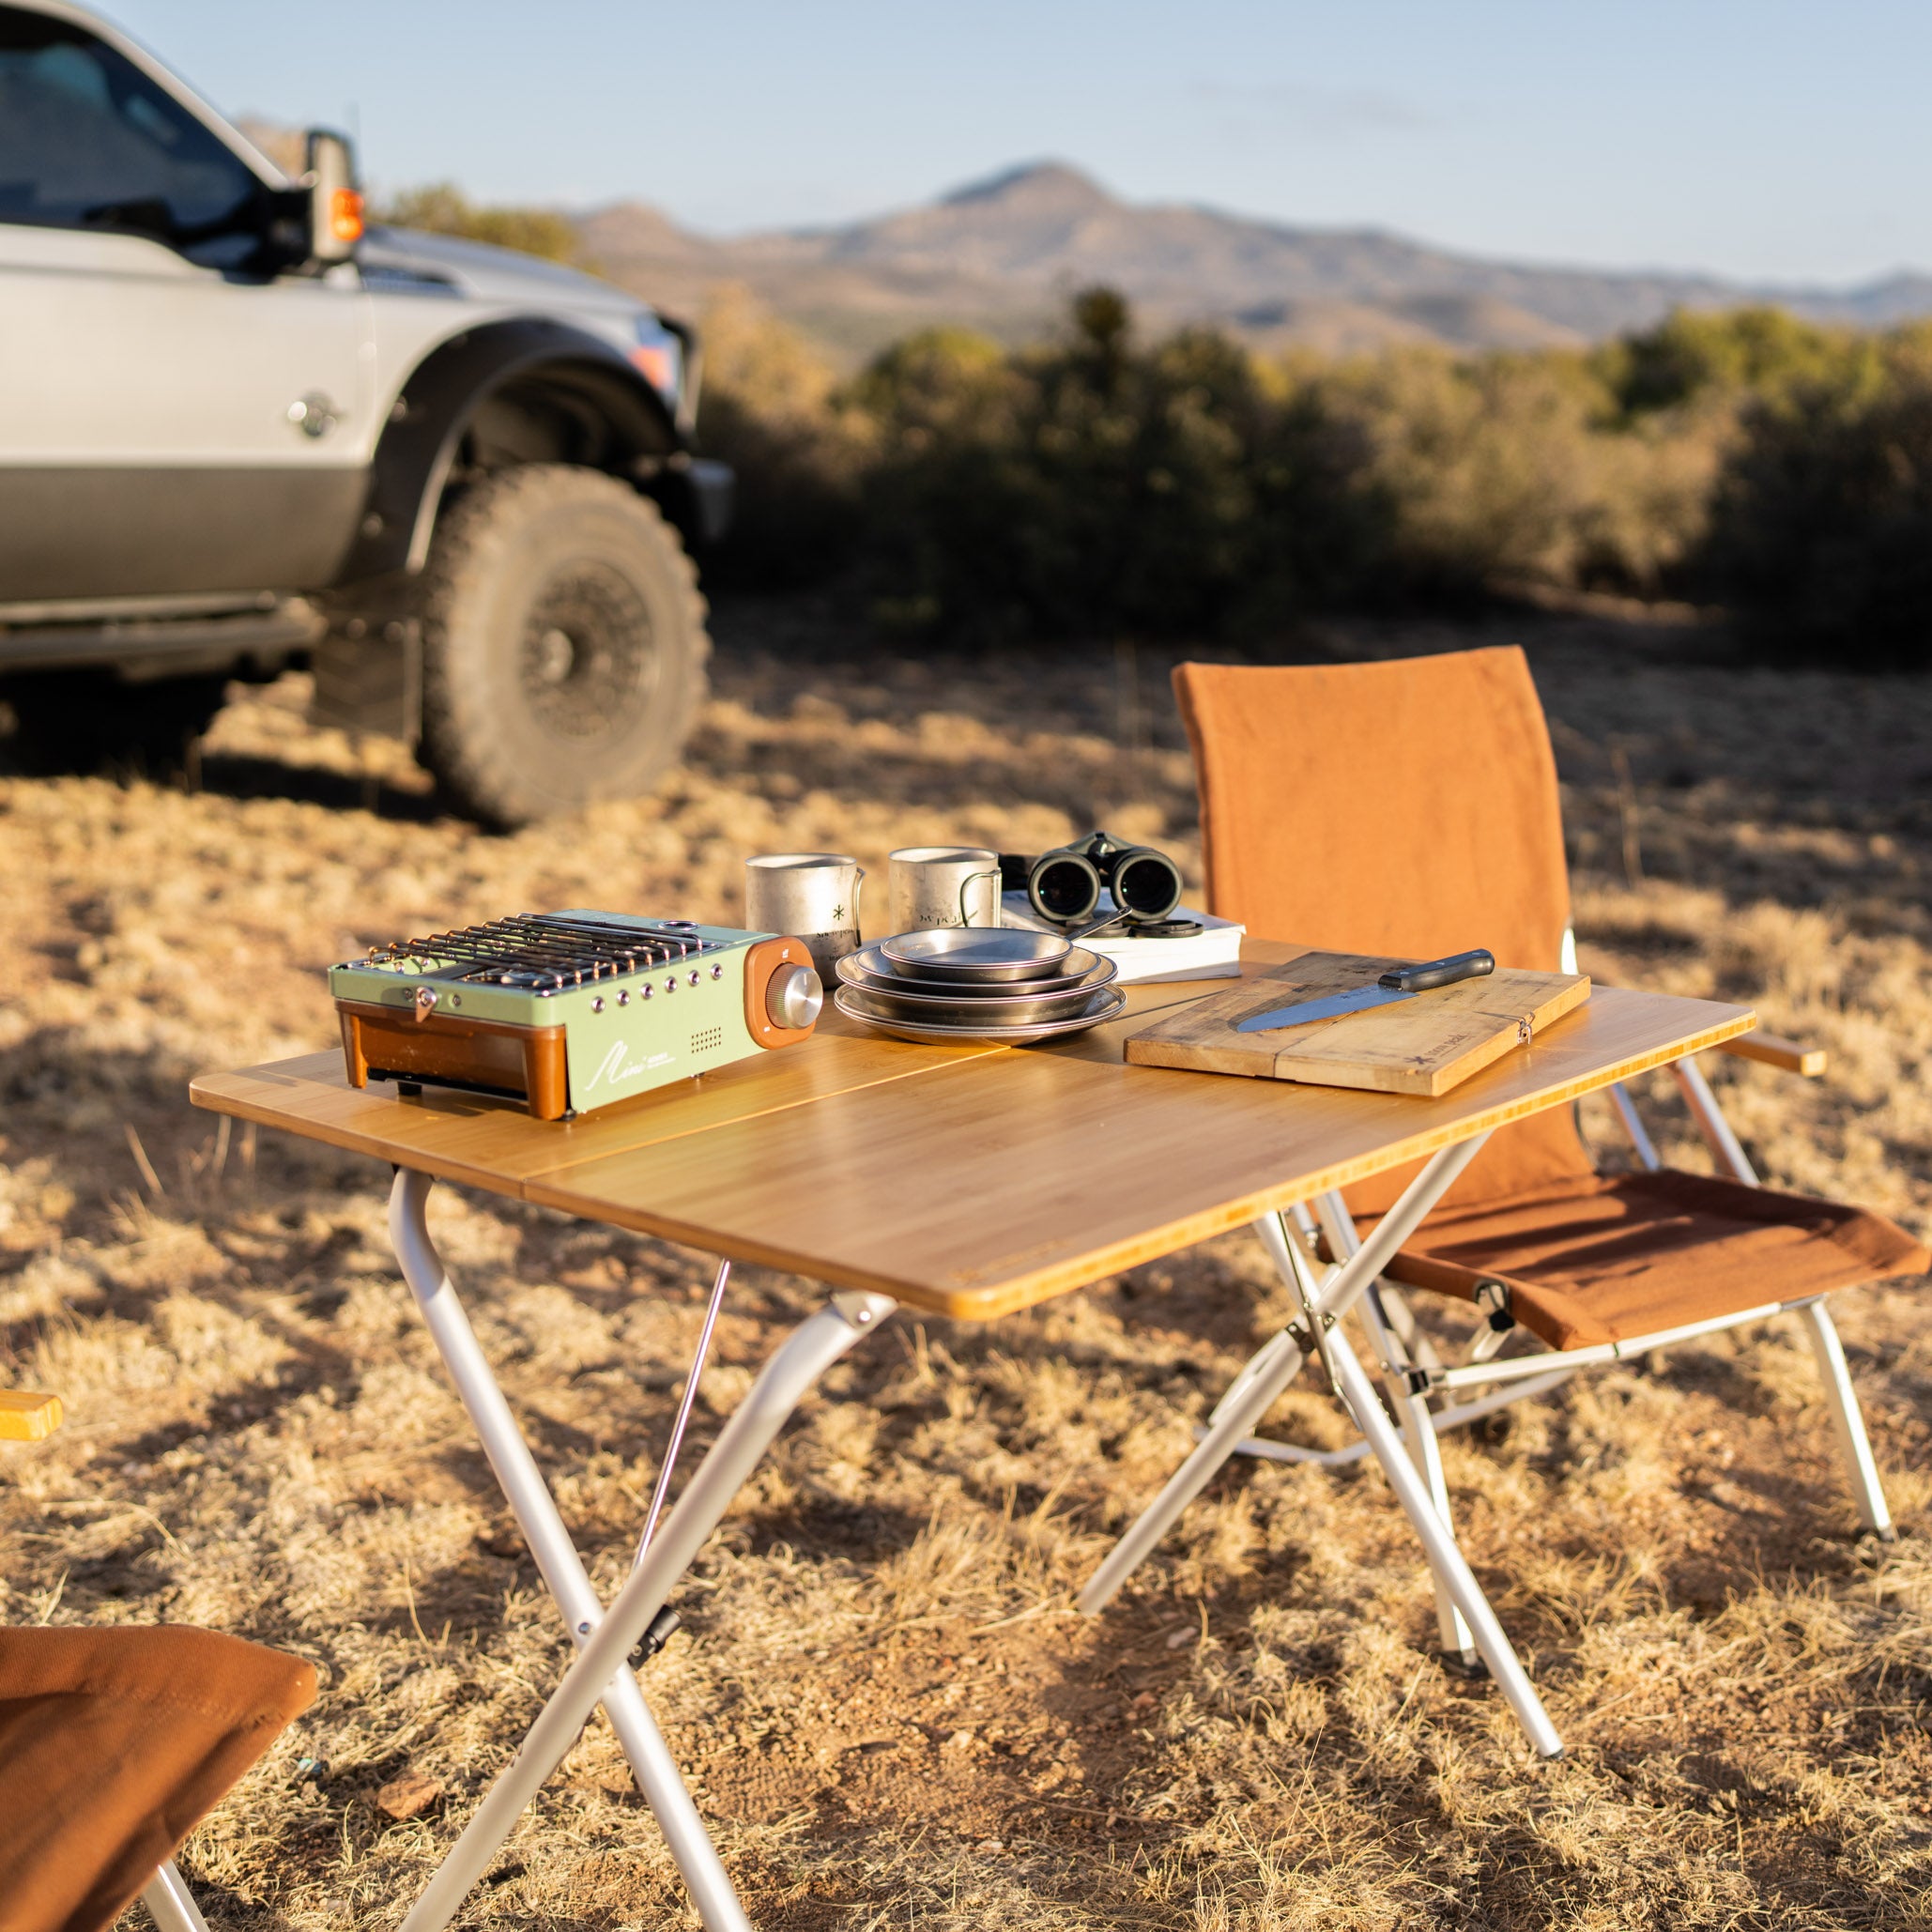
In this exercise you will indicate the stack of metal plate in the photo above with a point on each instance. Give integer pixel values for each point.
(978, 983)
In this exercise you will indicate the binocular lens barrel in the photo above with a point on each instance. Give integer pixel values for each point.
(1145, 882)
(1065, 885)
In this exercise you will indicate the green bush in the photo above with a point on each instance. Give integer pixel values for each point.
(442, 209)
(771, 408)
(1094, 486)
(1694, 353)
(1822, 524)
(1099, 485)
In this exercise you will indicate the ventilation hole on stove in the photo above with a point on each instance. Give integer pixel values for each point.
(709, 1041)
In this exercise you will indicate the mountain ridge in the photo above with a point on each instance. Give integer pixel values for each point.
(1002, 253)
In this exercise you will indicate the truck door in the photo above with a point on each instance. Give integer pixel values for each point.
(173, 420)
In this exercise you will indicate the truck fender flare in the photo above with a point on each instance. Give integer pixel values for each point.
(440, 399)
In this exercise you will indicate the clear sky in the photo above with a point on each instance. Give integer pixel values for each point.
(1759, 138)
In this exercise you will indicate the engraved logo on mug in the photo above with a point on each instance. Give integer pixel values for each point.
(934, 885)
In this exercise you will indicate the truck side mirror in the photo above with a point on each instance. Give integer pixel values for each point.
(335, 202)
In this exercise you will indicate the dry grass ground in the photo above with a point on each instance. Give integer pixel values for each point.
(888, 1706)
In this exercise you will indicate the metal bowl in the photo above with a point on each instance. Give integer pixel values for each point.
(976, 953)
(870, 971)
(873, 1011)
(1013, 1005)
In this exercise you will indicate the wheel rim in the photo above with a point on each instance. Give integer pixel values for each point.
(587, 666)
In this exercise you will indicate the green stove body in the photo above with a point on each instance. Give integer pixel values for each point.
(570, 1011)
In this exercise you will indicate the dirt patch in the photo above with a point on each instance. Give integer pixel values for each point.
(885, 1700)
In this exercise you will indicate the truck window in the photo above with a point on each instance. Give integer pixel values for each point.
(88, 141)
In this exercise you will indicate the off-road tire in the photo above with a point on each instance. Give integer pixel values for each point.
(82, 720)
(563, 644)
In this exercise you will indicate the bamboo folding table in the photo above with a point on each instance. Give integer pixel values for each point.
(966, 1181)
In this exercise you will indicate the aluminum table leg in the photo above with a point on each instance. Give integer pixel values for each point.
(1444, 1557)
(806, 1355)
(1272, 1369)
(561, 1568)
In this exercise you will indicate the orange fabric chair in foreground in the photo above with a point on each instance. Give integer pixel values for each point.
(1410, 809)
(114, 1744)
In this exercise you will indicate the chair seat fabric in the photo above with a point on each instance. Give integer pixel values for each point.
(114, 1743)
(1608, 1258)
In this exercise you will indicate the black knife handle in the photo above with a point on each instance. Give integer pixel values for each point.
(1434, 972)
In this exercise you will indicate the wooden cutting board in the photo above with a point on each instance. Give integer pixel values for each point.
(1423, 1046)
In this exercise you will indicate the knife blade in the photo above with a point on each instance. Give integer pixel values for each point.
(1399, 983)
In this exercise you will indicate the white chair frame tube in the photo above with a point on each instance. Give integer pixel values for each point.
(1455, 1417)
(1468, 1374)
(170, 1902)
(1715, 1128)
(1633, 1125)
(1847, 1423)
(810, 1349)
(556, 1555)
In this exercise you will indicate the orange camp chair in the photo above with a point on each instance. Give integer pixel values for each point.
(114, 1744)
(1410, 809)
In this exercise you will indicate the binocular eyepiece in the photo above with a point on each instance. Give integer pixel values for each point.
(1065, 884)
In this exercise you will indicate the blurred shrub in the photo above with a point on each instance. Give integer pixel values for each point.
(771, 407)
(1696, 353)
(1093, 485)
(442, 209)
(1821, 527)
(1505, 470)
(1100, 485)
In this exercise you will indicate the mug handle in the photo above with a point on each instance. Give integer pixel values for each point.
(965, 917)
(858, 894)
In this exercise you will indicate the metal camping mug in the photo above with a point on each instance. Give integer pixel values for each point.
(932, 885)
(809, 896)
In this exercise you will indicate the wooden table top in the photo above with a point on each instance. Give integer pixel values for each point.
(971, 1180)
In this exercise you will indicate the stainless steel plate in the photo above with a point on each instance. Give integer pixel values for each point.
(1101, 1007)
(976, 953)
(1015, 1004)
(870, 971)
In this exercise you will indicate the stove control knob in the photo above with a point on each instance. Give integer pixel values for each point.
(794, 996)
(670, 986)
(695, 975)
(717, 972)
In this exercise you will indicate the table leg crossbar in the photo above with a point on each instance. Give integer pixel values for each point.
(602, 1673)
(1469, 1626)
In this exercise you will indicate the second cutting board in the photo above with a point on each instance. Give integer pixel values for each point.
(1425, 1046)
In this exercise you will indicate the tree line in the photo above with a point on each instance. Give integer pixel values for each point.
(1103, 481)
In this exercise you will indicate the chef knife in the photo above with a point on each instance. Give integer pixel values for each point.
(1401, 982)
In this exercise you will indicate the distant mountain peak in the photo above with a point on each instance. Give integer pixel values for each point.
(1034, 186)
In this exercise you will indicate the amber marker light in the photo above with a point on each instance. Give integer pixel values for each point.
(653, 360)
(346, 215)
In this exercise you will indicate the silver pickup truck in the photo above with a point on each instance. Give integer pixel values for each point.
(238, 433)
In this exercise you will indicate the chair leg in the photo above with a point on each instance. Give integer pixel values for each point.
(1853, 1444)
(170, 1902)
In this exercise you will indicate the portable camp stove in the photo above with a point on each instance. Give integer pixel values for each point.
(571, 1011)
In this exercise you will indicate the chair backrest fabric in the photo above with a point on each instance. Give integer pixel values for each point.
(1406, 807)
(113, 1742)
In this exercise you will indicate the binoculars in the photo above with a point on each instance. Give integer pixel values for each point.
(1065, 884)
